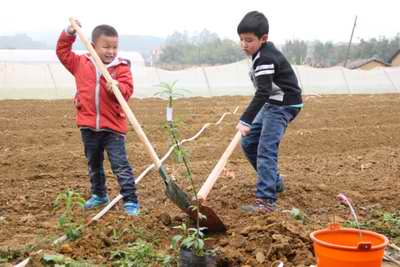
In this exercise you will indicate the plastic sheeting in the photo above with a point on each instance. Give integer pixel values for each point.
(53, 81)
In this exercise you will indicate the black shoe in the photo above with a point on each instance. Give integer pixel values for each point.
(280, 188)
(260, 206)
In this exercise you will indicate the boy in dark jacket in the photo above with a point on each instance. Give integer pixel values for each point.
(276, 102)
(99, 116)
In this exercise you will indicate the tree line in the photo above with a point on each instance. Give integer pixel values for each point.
(206, 48)
(327, 54)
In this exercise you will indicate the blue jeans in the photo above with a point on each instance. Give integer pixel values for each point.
(261, 146)
(95, 143)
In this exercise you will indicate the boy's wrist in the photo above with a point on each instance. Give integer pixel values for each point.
(245, 123)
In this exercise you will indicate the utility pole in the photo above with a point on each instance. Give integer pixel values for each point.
(348, 47)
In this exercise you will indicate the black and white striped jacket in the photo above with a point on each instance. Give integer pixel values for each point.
(274, 80)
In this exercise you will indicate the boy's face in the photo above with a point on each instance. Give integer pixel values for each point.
(250, 43)
(106, 47)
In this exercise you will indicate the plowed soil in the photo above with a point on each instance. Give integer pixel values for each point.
(348, 144)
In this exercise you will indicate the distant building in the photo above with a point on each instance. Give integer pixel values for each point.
(366, 64)
(395, 60)
(155, 56)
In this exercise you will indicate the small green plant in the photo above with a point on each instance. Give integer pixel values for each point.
(69, 200)
(191, 239)
(298, 215)
(170, 91)
(9, 255)
(391, 219)
(140, 254)
(382, 222)
(62, 261)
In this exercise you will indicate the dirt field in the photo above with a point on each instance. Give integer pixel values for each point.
(348, 144)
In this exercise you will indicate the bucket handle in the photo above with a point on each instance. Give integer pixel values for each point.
(360, 246)
(364, 246)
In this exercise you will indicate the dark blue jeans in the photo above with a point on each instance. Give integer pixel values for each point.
(261, 146)
(95, 143)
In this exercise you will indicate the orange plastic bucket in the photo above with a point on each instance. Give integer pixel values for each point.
(344, 247)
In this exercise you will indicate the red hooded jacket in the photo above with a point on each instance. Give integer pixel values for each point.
(97, 108)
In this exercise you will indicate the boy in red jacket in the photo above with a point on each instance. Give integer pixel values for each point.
(99, 116)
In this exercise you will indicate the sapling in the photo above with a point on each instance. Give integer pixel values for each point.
(70, 200)
(140, 254)
(171, 92)
(191, 238)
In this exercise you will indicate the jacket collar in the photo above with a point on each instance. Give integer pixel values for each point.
(116, 61)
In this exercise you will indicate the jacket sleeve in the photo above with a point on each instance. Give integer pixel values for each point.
(125, 81)
(64, 51)
(263, 73)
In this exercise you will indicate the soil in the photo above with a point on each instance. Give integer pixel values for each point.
(338, 144)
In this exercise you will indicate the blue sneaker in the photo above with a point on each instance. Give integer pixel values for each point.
(95, 201)
(132, 208)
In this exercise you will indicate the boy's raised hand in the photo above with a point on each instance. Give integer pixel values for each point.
(243, 129)
(71, 29)
(109, 85)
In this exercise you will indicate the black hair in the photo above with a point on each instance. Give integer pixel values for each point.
(103, 29)
(254, 22)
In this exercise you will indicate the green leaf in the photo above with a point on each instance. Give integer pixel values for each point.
(53, 258)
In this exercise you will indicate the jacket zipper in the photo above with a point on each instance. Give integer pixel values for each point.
(97, 97)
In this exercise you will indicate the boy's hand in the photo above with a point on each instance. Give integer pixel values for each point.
(109, 85)
(71, 30)
(243, 129)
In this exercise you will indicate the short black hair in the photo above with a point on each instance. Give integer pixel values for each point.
(254, 22)
(103, 29)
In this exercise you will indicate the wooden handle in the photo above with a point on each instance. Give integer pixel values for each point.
(131, 117)
(212, 178)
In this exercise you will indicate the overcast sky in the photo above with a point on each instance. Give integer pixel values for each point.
(326, 20)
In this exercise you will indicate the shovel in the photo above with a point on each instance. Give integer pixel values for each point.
(173, 192)
(215, 224)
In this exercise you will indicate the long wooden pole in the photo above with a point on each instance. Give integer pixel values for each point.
(212, 178)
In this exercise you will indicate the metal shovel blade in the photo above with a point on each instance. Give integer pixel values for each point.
(173, 192)
(212, 222)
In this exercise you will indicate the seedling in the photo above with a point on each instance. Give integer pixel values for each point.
(298, 215)
(170, 91)
(62, 261)
(191, 239)
(382, 222)
(140, 254)
(69, 200)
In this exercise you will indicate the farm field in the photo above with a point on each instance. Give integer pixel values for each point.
(337, 144)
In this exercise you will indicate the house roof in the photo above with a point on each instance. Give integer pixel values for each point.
(394, 56)
(361, 62)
